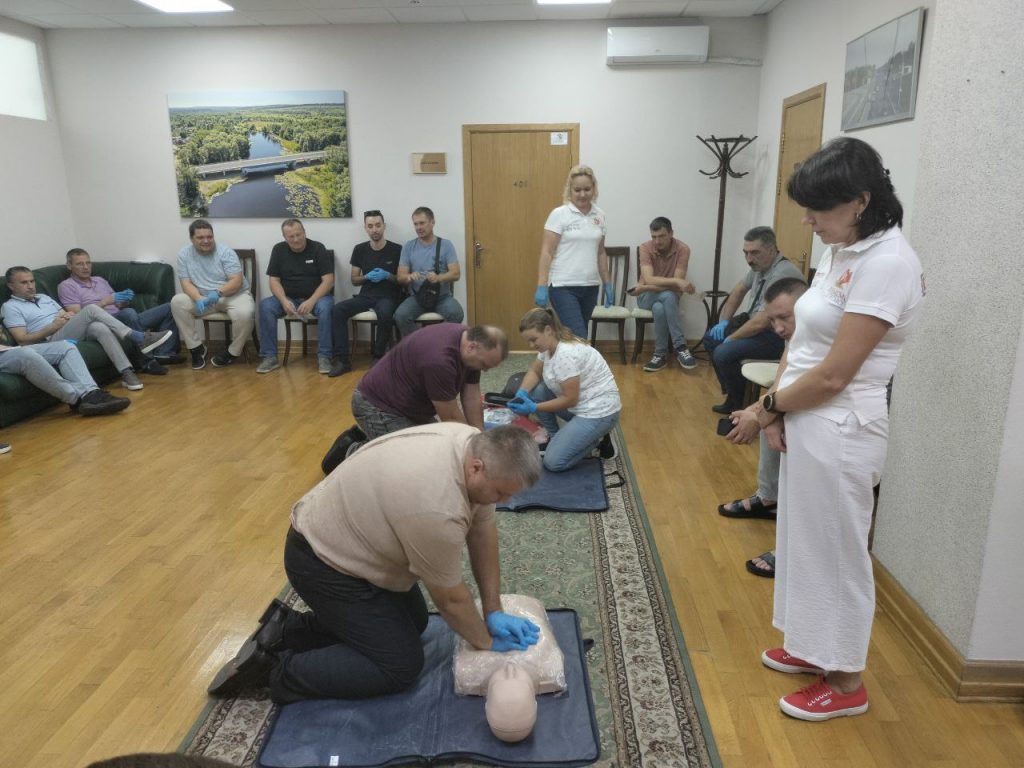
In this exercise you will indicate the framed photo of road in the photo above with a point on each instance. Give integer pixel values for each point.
(261, 154)
(882, 68)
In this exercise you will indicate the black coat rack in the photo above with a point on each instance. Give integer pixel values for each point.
(725, 150)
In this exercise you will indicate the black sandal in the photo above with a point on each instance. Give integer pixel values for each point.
(758, 509)
(769, 559)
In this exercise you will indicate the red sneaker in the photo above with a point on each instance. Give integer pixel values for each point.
(820, 701)
(779, 660)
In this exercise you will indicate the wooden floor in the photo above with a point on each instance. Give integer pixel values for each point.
(138, 550)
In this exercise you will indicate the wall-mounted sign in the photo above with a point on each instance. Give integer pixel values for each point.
(429, 162)
(559, 138)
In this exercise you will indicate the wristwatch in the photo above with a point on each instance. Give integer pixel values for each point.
(768, 403)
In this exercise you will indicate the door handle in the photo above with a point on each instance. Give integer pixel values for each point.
(477, 250)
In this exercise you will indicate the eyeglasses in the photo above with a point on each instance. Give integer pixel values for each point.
(375, 212)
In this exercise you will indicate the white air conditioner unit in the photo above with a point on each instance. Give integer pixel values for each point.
(657, 45)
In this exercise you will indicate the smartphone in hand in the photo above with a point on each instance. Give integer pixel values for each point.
(725, 426)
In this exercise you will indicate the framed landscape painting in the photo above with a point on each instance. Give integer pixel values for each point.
(261, 154)
(882, 67)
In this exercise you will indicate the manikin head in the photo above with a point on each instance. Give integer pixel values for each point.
(511, 704)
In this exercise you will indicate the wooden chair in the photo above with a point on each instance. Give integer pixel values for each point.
(429, 318)
(302, 321)
(759, 375)
(641, 319)
(369, 317)
(247, 256)
(618, 265)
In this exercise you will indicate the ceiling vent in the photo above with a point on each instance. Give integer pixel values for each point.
(657, 45)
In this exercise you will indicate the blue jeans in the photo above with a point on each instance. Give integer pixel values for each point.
(405, 316)
(39, 364)
(668, 326)
(574, 441)
(727, 359)
(345, 310)
(574, 304)
(271, 311)
(358, 640)
(158, 318)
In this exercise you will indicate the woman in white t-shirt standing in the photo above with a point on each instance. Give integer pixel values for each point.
(827, 412)
(570, 381)
(573, 261)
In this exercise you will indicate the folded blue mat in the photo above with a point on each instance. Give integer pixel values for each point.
(580, 489)
(430, 722)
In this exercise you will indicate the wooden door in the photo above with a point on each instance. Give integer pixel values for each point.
(800, 138)
(514, 175)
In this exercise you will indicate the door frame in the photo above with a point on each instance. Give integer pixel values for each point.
(573, 129)
(814, 92)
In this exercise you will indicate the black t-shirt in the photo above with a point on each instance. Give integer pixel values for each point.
(300, 273)
(367, 259)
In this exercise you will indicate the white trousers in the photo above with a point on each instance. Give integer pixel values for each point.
(824, 586)
(240, 307)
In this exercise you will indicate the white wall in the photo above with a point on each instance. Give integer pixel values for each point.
(35, 213)
(410, 89)
(806, 46)
(949, 521)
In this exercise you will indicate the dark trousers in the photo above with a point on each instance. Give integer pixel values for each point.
(357, 641)
(343, 311)
(727, 359)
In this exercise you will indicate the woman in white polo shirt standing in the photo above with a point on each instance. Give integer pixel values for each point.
(573, 263)
(827, 413)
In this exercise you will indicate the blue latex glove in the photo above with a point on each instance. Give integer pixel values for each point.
(124, 296)
(503, 645)
(609, 295)
(72, 342)
(507, 627)
(201, 305)
(212, 297)
(522, 394)
(522, 405)
(717, 331)
(378, 275)
(540, 296)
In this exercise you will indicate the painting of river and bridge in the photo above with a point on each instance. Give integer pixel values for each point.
(261, 154)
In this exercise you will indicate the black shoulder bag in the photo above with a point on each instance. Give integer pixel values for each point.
(430, 293)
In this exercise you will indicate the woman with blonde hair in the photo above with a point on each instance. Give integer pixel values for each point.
(571, 382)
(573, 263)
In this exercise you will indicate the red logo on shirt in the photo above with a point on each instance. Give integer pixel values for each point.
(846, 277)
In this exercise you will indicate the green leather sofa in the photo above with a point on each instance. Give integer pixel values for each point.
(153, 283)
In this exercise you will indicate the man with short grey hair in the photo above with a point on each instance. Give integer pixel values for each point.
(301, 274)
(747, 335)
(399, 512)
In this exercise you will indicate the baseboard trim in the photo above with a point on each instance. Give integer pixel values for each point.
(975, 680)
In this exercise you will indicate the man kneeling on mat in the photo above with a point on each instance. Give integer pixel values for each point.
(398, 511)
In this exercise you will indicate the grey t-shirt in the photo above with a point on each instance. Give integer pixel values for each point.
(757, 283)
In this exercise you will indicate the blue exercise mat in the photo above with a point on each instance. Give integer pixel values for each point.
(580, 489)
(430, 722)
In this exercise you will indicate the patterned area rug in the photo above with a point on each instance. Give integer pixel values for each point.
(605, 567)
